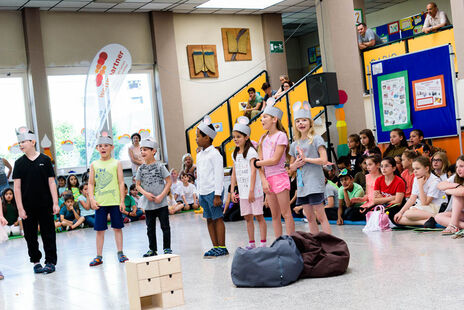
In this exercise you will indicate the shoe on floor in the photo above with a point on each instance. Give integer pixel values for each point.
(122, 258)
(96, 261)
(142, 217)
(49, 268)
(150, 253)
(126, 220)
(38, 268)
(167, 251)
(213, 253)
(250, 246)
(222, 251)
(430, 223)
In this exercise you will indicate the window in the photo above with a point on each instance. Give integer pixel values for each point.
(12, 105)
(131, 112)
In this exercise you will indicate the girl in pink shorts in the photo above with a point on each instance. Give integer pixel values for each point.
(274, 178)
(249, 186)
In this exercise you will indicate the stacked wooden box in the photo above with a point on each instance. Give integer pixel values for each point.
(155, 282)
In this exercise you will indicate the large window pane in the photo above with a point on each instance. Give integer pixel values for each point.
(13, 116)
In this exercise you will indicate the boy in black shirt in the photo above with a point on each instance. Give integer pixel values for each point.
(37, 201)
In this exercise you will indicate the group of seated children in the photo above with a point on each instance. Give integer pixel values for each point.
(183, 195)
(412, 181)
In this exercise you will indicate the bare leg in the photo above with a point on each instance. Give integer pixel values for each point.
(308, 211)
(66, 223)
(250, 227)
(220, 231)
(322, 218)
(262, 226)
(79, 222)
(456, 214)
(276, 214)
(212, 231)
(284, 202)
(415, 217)
(118, 238)
(443, 218)
(100, 241)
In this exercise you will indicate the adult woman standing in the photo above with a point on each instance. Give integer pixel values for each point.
(134, 153)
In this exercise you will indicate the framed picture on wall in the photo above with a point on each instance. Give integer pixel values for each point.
(393, 28)
(202, 60)
(358, 16)
(429, 93)
(236, 44)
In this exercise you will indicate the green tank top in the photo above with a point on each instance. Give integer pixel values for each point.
(106, 182)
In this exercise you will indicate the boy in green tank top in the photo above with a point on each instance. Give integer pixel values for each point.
(106, 196)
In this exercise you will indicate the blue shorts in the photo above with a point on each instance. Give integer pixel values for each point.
(101, 218)
(209, 210)
(311, 199)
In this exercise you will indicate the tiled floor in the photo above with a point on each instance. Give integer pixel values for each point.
(390, 270)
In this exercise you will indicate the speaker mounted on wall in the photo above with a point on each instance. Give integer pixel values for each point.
(322, 89)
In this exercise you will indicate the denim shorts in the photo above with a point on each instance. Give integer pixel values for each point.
(311, 199)
(209, 210)
(101, 218)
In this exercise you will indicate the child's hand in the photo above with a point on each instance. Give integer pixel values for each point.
(158, 199)
(251, 196)
(150, 196)
(22, 214)
(217, 202)
(339, 221)
(266, 187)
(398, 216)
(300, 152)
(94, 205)
(56, 208)
(233, 197)
(133, 213)
(299, 162)
(122, 207)
(421, 181)
(357, 200)
(3, 221)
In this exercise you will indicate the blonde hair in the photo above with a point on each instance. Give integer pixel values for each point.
(310, 135)
(444, 160)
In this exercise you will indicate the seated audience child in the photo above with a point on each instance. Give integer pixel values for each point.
(373, 169)
(188, 192)
(61, 189)
(440, 164)
(347, 209)
(368, 142)
(84, 206)
(130, 213)
(69, 214)
(14, 225)
(173, 205)
(453, 219)
(356, 151)
(134, 193)
(232, 209)
(331, 200)
(176, 187)
(399, 165)
(332, 174)
(421, 212)
(416, 140)
(407, 174)
(398, 143)
(343, 162)
(360, 177)
(451, 170)
(73, 186)
(389, 188)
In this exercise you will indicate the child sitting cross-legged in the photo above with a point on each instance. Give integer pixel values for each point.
(130, 213)
(84, 206)
(188, 192)
(347, 208)
(69, 214)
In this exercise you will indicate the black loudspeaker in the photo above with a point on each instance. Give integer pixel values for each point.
(322, 89)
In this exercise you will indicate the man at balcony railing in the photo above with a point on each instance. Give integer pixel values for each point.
(435, 19)
(367, 37)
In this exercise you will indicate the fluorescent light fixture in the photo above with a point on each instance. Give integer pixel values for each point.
(238, 4)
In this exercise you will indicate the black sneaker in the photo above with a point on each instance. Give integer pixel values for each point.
(49, 268)
(430, 223)
(150, 253)
(38, 268)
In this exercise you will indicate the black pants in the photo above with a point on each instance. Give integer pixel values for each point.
(233, 213)
(40, 216)
(332, 213)
(353, 214)
(163, 215)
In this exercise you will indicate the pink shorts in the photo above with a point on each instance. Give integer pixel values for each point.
(278, 183)
(254, 208)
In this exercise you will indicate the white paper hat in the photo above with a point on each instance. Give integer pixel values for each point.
(149, 143)
(242, 125)
(204, 128)
(105, 140)
(301, 110)
(272, 110)
(23, 134)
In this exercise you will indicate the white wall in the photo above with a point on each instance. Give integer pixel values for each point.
(201, 95)
(12, 48)
(404, 9)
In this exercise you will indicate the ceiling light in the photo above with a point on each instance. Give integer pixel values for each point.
(238, 4)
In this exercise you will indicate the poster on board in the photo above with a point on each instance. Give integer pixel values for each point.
(394, 101)
(429, 93)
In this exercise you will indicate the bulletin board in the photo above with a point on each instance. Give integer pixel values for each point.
(413, 78)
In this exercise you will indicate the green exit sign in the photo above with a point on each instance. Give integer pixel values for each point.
(277, 46)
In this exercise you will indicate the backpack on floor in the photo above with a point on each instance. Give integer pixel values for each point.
(278, 265)
(324, 255)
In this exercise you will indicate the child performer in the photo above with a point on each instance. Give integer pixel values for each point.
(153, 182)
(249, 186)
(106, 196)
(210, 182)
(274, 178)
(308, 156)
(37, 201)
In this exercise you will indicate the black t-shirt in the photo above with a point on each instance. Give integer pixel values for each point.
(35, 191)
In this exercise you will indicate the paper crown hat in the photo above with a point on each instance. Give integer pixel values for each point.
(272, 110)
(204, 128)
(301, 110)
(242, 125)
(23, 134)
(149, 143)
(105, 140)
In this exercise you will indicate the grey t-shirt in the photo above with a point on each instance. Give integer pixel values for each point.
(369, 35)
(310, 177)
(331, 190)
(152, 178)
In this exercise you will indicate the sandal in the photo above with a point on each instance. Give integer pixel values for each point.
(459, 234)
(122, 258)
(96, 261)
(450, 230)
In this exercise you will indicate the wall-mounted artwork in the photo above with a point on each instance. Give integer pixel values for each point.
(236, 44)
(202, 60)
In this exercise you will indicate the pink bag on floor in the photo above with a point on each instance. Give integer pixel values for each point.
(377, 220)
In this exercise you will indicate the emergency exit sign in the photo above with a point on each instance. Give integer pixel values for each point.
(277, 47)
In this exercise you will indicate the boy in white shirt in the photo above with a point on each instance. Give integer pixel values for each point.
(189, 196)
(210, 182)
